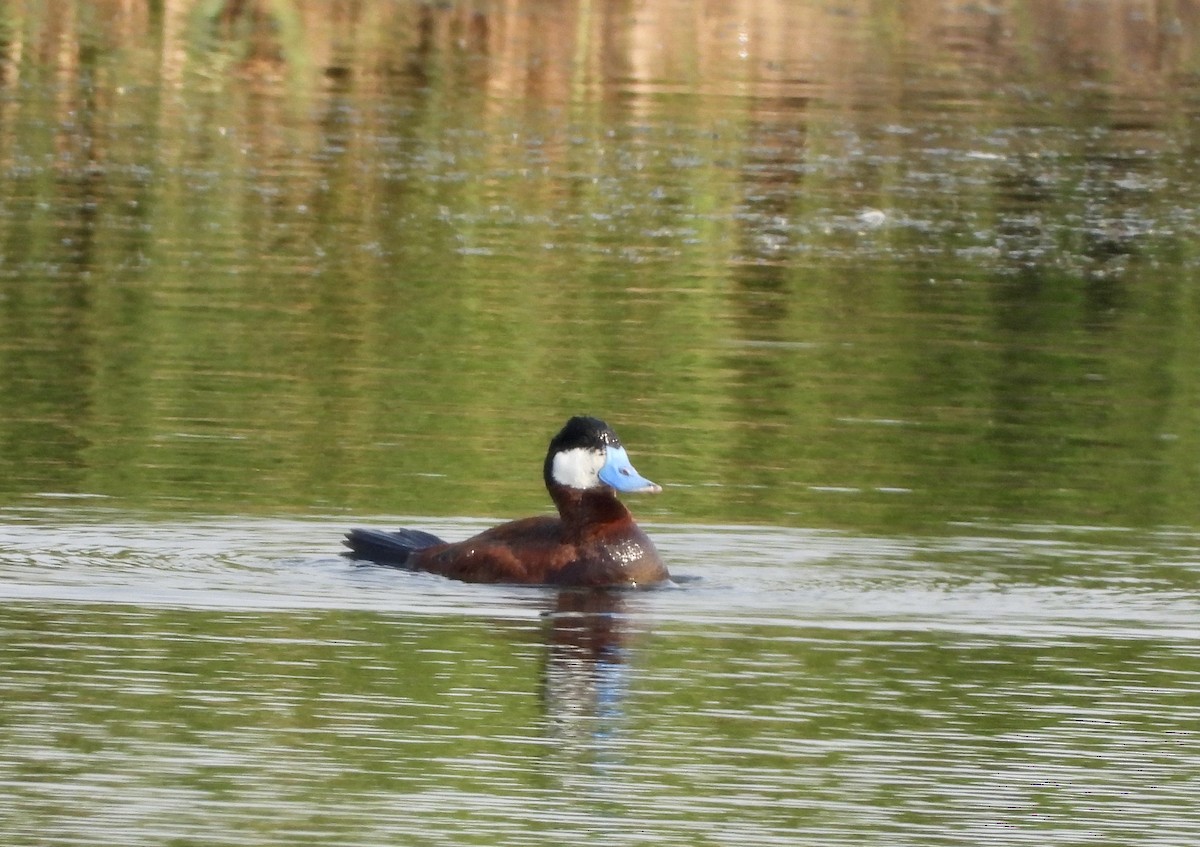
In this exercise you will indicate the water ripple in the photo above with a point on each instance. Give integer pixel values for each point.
(237, 682)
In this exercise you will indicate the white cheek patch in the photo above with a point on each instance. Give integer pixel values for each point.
(578, 467)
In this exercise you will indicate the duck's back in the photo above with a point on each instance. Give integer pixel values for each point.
(522, 551)
(543, 551)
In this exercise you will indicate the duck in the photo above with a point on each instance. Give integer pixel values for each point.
(593, 542)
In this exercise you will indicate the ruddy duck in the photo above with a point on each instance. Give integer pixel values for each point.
(593, 541)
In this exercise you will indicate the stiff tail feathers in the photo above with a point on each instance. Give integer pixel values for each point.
(388, 548)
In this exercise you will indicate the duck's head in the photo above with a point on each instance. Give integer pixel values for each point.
(586, 454)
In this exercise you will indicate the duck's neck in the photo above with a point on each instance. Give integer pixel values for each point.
(587, 511)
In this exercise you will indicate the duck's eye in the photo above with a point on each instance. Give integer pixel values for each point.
(624, 471)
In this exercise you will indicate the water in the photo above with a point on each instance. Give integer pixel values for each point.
(235, 681)
(242, 269)
(897, 303)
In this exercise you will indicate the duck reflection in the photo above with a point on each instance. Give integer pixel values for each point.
(585, 677)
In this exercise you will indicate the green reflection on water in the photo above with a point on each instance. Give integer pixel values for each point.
(296, 267)
(305, 725)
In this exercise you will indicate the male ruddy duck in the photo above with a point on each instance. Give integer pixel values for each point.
(593, 541)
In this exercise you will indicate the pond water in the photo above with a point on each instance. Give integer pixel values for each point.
(897, 301)
(215, 682)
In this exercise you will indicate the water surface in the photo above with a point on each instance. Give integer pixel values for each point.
(898, 302)
(223, 682)
(834, 267)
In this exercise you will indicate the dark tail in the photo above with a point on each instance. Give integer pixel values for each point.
(388, 548)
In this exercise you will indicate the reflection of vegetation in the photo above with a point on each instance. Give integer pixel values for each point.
(292, 255)
(335, 726)
(366, 704)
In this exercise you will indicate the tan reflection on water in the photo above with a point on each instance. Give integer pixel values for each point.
(587, 52)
